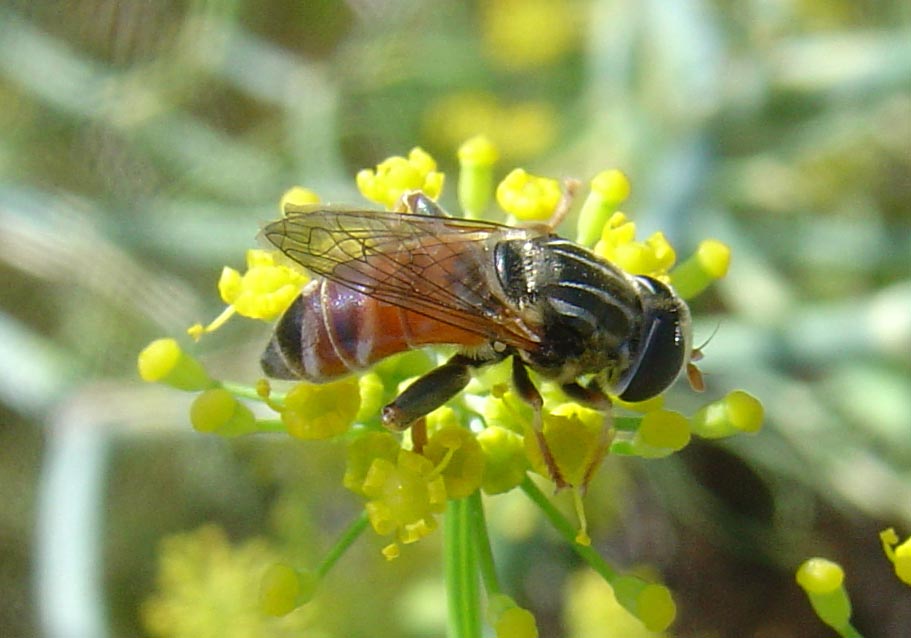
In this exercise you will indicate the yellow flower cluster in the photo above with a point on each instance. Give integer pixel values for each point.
(397, 175)
(406, 488)
(528, 197)
(618, 244)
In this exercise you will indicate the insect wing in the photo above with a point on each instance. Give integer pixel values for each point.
(435, 266)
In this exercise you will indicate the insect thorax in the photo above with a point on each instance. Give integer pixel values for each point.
(588, 310)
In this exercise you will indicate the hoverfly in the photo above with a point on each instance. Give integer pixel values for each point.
(392, 281)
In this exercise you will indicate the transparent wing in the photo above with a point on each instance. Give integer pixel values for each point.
(440, 267)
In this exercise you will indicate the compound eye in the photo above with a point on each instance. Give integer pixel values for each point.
(662, 354)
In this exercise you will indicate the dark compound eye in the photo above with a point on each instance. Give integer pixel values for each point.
(664, 345)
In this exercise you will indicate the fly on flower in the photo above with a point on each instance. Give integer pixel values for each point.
(392, 281)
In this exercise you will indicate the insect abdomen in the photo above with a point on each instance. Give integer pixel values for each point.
(331, 330)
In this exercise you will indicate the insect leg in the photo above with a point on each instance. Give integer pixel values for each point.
(570, 186)
(429, 392)
(592, 394)
(418, 203)
(530, 395)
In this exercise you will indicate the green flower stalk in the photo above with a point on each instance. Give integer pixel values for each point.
(709, 263)
(609, 189)
(486, 440)
(477, 157)
(823, 582)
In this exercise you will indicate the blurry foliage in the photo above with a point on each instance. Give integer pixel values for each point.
(144, 142)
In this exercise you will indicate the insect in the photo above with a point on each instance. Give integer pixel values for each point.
(392, 281)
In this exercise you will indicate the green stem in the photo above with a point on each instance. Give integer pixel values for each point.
(848, 631)
(270, 425)
(461, 563)
(345, 540)
(568, 531)
(248, 392)
(482, 542)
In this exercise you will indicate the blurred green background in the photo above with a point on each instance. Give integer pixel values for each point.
(142, 144)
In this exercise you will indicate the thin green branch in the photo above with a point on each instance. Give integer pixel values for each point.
(482, 542)
(568, 531)
(461, 565)
(345, 540)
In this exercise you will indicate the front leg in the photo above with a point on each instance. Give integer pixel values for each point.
(590, 394)
(429, 392)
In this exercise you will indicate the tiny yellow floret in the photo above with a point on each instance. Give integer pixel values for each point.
(898, 553)
(653, 257)
(651, 603)
(263, 292)
(738, 412)
(516, 622)
(164, 361)
(321, 411)
(578, 440)
(478, 150)
(505, 461)
(296, 197)
(823, 582)
(404, 497)
(396, 175)
(283, 589)
(662, 432)
(820, 576)
(528, 197)
(217, 411)
(657, 609)
(612, 186)
(459, 459)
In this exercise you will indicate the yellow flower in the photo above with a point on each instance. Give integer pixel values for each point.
(505, 461)
(397, 175)
(363, 450)
(458, 456)
(577, 440)
(296, 197)
(899, 554)
(527, 196)
(321, 411)
(618, 245)
(263, 292)
(404, 497)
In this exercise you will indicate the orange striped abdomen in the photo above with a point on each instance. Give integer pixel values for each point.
(331, 330)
